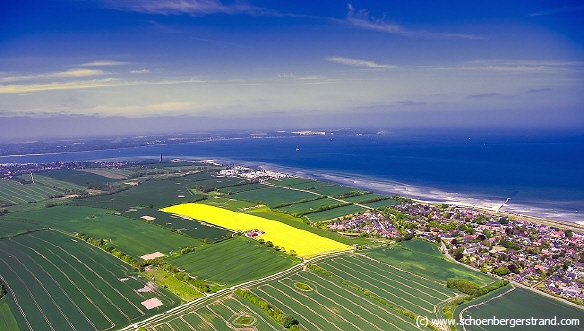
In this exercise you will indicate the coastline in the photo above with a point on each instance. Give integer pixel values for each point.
(495, 205)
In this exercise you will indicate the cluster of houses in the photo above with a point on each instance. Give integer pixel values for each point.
(369, 223)
(532, 254)
(251, 174)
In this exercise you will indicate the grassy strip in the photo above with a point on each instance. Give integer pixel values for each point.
(287, 321)
(179, 287)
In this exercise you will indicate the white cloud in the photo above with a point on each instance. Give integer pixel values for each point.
(103, 63)
(362, 19)
(72, 73)
(177, 7)
(358, 63)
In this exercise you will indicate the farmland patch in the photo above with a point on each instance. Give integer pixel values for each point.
(64, 284)
(424, 258)
(274, 196)
(131, 236)
(242, 259)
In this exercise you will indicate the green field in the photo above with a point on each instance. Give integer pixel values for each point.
(241, 259)
(424, 258)
(309, 206)
(335, 190)
(60, 283)
(131, 236)
(55, 183)
(81, 178)
(334, 213)
(145, 199)
(291, 181)
(365, 197)
(13, 192)
(220, 182)
(158, 193)
(227, 203)
(311, 185)
(241, 188)
(9, 228)
(274, 196)
(510, 302)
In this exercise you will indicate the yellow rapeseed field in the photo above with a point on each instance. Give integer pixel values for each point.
(306, 244)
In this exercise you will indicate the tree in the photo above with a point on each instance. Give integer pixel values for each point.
(288, 321)
(501, 271)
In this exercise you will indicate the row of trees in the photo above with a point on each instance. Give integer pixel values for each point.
(288, 321)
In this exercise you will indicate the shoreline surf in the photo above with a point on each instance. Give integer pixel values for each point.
(422, 193)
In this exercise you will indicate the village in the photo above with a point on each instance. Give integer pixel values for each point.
(535, 255)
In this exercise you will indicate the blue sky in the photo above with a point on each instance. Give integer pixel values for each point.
(73, 66)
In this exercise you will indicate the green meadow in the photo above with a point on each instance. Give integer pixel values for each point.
(131, 236)
(234, 261)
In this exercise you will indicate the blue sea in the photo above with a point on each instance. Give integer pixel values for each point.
(543, 174)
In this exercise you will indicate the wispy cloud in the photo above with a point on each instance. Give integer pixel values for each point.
(72, 73)
(558, 10)
(76, 85)
(85, 84)
(524, 66)
(163, 108)
(103, 63)
(358, 63)
(140, 71)
(484, 95)
(362, 19)
(515, 66)
(177, 7)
